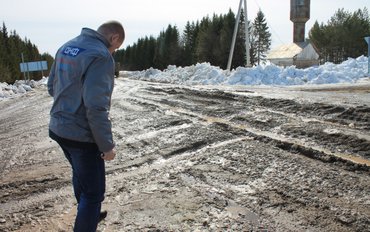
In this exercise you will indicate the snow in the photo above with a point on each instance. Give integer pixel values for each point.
(350, 71)
(19, 87)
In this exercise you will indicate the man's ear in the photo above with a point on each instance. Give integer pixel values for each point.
(114, 37)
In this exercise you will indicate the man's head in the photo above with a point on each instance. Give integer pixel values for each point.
(113, 31)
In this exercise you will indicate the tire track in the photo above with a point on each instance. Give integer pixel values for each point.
(200, 159)
(353, 149)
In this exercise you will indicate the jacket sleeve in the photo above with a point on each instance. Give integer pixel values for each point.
(51, 80)
(96, 93)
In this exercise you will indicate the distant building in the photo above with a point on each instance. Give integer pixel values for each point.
(302, 55)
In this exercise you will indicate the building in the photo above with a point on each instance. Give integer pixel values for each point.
(301, 55)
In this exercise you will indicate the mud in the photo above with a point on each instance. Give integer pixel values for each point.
(196, 158)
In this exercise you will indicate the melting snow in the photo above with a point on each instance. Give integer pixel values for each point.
(350, 71)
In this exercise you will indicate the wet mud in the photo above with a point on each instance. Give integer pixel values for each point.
(199, 159)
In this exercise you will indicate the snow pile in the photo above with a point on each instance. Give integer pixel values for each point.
(204, 74)
(349, 71)
(19, 87)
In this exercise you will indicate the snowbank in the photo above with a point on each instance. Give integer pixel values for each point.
(349, 71)
(19, 87)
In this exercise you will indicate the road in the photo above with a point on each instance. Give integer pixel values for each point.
(201, 158)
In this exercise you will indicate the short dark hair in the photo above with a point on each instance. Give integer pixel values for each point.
(112, 27)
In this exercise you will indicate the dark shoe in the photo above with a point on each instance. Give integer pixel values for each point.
(102, 216)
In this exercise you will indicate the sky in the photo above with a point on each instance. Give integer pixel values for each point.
(49, 24)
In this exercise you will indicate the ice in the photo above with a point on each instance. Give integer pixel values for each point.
(350, 71)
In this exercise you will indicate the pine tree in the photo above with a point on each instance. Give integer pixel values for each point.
(226, 39)
(173, 43)
(188, 41)
(11, 48)
(262, 37)
(206, 41)
(214, 41)
(239, 59)
(343, 35)
(253, 46)
(167, 50)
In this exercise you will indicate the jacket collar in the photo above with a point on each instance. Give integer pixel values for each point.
(92, 33)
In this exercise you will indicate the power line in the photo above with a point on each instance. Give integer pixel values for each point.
(268, 23)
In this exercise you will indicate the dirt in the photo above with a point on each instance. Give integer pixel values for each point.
(201, 158)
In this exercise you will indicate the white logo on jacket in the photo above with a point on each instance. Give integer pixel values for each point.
(72, 51)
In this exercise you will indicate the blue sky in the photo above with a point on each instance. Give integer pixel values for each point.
(48, 24)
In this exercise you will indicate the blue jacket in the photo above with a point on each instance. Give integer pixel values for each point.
(81, 82)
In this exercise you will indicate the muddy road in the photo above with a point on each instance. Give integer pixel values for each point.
(201, 159)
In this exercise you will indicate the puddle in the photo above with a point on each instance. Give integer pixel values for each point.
(354, 159)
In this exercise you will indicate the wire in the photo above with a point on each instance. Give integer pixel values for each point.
(269, 25)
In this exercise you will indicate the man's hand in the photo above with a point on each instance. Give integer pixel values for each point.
(108, 155)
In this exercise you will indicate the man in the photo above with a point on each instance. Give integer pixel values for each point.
(81, 82)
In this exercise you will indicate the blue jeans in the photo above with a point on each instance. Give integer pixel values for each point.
(88, 184)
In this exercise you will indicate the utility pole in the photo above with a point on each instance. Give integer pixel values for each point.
(24, 73)
(235, 33)
(368, 55)
(247, 55)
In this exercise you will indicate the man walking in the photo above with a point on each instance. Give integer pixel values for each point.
(81, 82)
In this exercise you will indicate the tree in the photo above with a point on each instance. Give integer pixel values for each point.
(168, 48)
(207, 40)
(188, 42)
(48, 58)
(240, 49)
(261, 39)
(343, 35)
(214, 41)
(11, 48)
